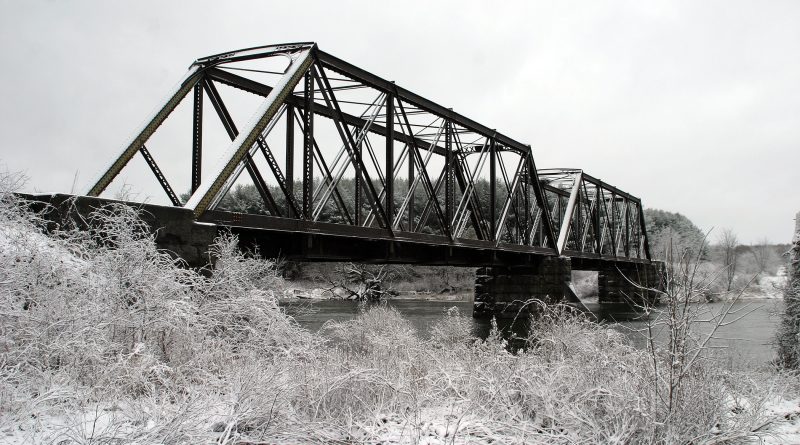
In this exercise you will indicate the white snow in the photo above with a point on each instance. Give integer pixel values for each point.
(785, 426)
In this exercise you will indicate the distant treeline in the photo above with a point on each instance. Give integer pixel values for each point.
(245, 198)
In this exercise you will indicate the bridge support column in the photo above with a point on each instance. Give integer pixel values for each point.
(503, 292)
(629, 285)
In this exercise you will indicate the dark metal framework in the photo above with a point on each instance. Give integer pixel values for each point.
(418, 171)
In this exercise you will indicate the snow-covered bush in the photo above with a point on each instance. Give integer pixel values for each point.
(102, 314)
(452, 329)
(106, 339)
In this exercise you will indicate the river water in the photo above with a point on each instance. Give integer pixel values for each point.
(745, 342)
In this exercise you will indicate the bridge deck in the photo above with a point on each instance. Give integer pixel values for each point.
(185, 236)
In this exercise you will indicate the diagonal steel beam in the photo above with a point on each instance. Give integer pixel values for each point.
(260, 89)
(197, 137)
(361, 75)
(308, 143)
(208, 191)
(416, 160)
(589, 221)
(320, 160)
(276, 171)
(347, 136)
(333, 185)
(547, 218)
(230, 128)
(471, 203)
(466, 183)
(509, 198)
(643, 231)
(426, 211)
(565, 224)
(508, 184)
(189, 80)
(160, 176)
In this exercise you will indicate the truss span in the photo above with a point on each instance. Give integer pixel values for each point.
(334, 152)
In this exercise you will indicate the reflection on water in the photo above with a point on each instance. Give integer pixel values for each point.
(747, 341)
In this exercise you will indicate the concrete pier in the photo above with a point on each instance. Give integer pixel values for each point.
(506, 292)
(628, 284)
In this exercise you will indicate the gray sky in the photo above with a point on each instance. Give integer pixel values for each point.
(694, 106)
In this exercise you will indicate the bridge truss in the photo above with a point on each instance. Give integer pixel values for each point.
(337, 151)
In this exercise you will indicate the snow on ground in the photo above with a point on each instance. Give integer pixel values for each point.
(21, 243)
(108, 422)
(785, 429)
(111, 422)
(768, 286)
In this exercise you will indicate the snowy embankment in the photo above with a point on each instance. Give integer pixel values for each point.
(783, 426)
(104, 339)
(768, 286)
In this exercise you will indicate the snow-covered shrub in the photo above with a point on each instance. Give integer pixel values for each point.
(451, 329)
(109, 340)
(102, 314)
(379, 328)
(239, 316)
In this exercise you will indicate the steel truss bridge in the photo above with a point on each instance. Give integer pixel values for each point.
(385, 175)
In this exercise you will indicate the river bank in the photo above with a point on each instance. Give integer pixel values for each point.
(321, 281)
(106, 339)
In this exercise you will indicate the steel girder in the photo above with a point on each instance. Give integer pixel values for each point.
(398, 162)
(595, 219)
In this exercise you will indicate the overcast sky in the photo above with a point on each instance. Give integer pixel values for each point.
(694, 106)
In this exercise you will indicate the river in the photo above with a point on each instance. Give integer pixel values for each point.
(746, 342)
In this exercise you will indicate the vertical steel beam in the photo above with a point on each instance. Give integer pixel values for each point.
(526, 212)
(578, 224)
(308, 145)
(492, 190)
(448, 173)
(290, 149)
(411, 168)
(188, 82)
(614, 223)
(389, 188)
(627, 244)
(357, 192)
(197, 137)
(597, 223)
